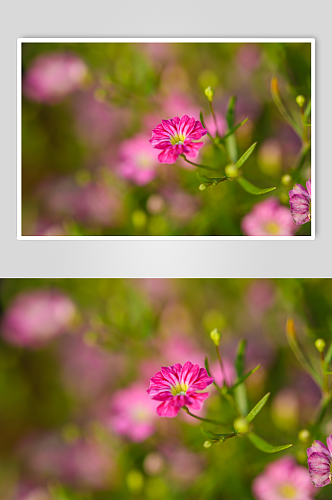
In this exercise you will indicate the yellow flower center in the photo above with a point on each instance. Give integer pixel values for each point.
(177, 139)
(179, 389)
(287, 491)
(272, 228)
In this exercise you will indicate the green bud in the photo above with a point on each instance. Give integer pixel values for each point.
(300, 100)
(231, 171)
(241, 425)
(202, 187)
(207, 444)
(320, 345)
(135, 481)
(304, 435)
(286, 180)
(209, 92)
(215, 336)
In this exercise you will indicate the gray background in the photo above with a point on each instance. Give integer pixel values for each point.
(159, 18)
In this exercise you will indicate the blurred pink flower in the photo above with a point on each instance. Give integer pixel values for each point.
(91, 204)
(97, 122)
(51, 77)
(218, 375)
(300, 203)
(88, 370)
(176, 387)
(82, 463)
(268, 218)
(33, 318)
(248, 57)
(130, 413)
(282, 480)
(27, 491)
(176, 456)
(211, 126)
(175, 137)
(138, 161)
(319, 462)
(260, 295)
(181, 206)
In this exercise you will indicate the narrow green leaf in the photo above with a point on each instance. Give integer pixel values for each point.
(250, 188)
(207, 367)
(278, 102)
(245, 156)
(297, 350)
(202, 119)
(262, 445)
(240, 392)
(230, 132)
(242, 379)
(214, 436)
(307, 109)
(256, 409)
(230, 142)
(328, 355)
(201, 177)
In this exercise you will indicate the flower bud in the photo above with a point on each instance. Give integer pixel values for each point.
(215, 336)
(241, 425)
(209, 92)
(202, 187)
(320, 345)
(286, 180)
(231, 171)
(304, 435)
(207, 444)
(300, 100)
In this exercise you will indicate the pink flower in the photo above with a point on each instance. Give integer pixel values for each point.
(83, 463)
(268, 218)
(137, 160)
(131, 414)
(300, 203)
(176, 387)
(88, 370)
(93, 203)
(35, 317)
(283, 480)
(319, 461)
(51, 77)
(175, 137)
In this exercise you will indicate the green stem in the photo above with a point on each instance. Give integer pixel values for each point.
(325, 376)
(200, 166)
(214, 119)
(215, 422)
(221, 366)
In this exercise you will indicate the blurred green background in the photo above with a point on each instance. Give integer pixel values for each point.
(71, 148)
(68, 346)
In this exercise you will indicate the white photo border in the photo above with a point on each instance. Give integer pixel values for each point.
(20, 41)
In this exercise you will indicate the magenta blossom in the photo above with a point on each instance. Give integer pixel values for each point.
(131, 413)
(283, 480)
(51, 77)
(300, 203)
(137, 160)
(268, 218)
(177, 386)
(319, 461)
(175, 137)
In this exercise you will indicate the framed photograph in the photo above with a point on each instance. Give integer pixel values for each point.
(166, 138)
(166, 389)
